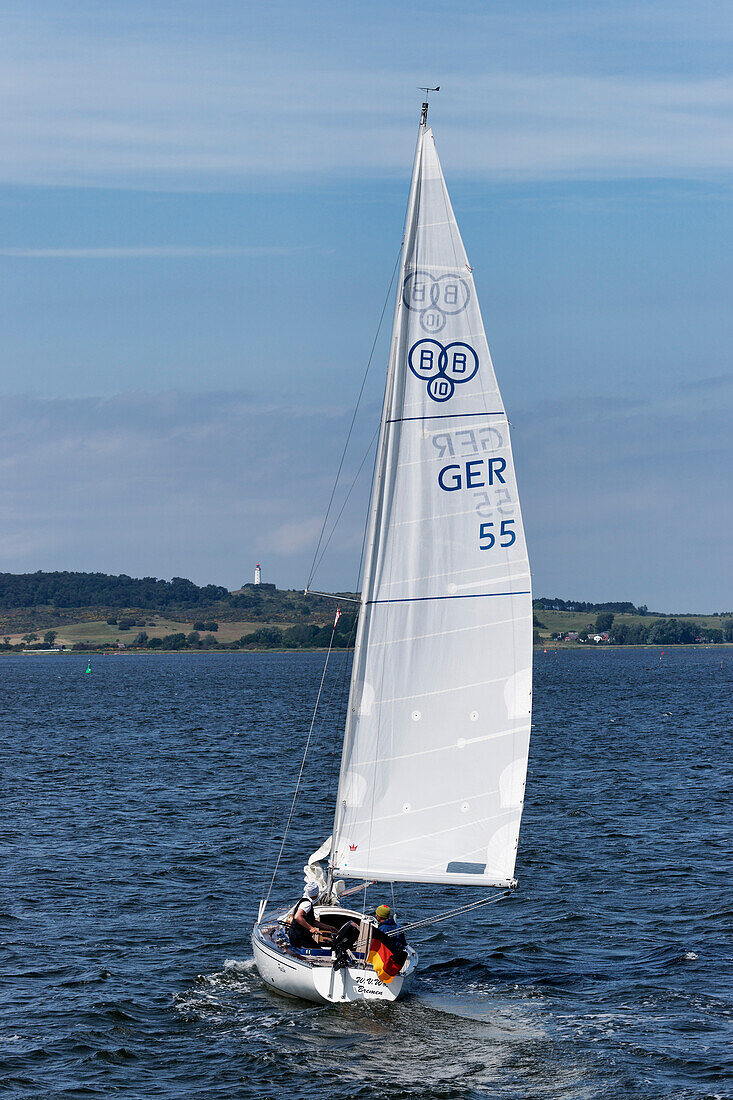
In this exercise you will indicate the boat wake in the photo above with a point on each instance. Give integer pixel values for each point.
(239, 966)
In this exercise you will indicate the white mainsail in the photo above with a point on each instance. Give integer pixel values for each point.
(437, 733)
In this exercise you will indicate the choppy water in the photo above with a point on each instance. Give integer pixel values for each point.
(138, 800)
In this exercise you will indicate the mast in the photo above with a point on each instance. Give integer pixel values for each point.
(379, 468)
(392, 366)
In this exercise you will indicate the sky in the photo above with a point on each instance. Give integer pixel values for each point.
(201, 205)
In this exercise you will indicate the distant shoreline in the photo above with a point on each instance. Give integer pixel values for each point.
(221, 652)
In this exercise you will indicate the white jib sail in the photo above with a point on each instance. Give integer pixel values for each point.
(437, 733)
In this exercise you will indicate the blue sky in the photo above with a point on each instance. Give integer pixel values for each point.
(200, 209)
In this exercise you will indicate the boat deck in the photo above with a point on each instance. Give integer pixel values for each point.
(274, 933)
(275, 936)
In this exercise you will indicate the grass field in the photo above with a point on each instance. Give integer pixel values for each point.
(99, 632)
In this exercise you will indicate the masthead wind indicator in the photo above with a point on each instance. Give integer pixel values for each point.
(424, 115)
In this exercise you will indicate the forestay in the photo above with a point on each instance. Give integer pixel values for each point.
(437, 734)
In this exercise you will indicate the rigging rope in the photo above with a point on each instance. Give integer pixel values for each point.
(314, 564)
(302, 766)
(341, 684)
(354, 627)
(454, 912)
(346, 501)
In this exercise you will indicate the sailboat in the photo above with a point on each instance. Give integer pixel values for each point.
(436, 740)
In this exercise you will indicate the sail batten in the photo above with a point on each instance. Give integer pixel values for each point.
(435, 749)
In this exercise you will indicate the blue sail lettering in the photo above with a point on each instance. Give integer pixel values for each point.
(471, 475)
(456, 479)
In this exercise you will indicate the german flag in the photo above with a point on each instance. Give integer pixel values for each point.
(386, 960)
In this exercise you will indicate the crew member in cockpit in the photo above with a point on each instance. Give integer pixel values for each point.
(305, 926)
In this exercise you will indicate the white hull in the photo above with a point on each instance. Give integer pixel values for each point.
(285, 972)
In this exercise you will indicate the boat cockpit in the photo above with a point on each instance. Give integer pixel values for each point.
(349, 945)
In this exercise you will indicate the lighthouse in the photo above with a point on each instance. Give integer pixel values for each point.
(258, 574)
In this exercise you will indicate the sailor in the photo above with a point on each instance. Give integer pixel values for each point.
(304, 926)
(388, 928)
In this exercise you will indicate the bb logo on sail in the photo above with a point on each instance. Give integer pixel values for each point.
(434, 298)
(442, 367)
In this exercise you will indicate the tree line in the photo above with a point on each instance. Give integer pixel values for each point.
(43, 594)
(64, 589)
(658, 631)
(546, 603)
(670, 631)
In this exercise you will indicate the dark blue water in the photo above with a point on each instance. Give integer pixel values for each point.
(137, 808)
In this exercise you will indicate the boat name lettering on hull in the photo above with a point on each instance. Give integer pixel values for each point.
(372, 985)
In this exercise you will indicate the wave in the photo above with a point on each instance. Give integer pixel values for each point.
(243, 966)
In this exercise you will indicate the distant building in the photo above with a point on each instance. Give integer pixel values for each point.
(258, 574)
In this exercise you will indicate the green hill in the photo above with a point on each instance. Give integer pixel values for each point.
(43, 601)
(100, 610)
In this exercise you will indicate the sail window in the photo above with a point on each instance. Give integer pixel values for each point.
(456, 868)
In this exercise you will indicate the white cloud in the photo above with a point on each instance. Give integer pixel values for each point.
(176, 103)
(294, 538)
